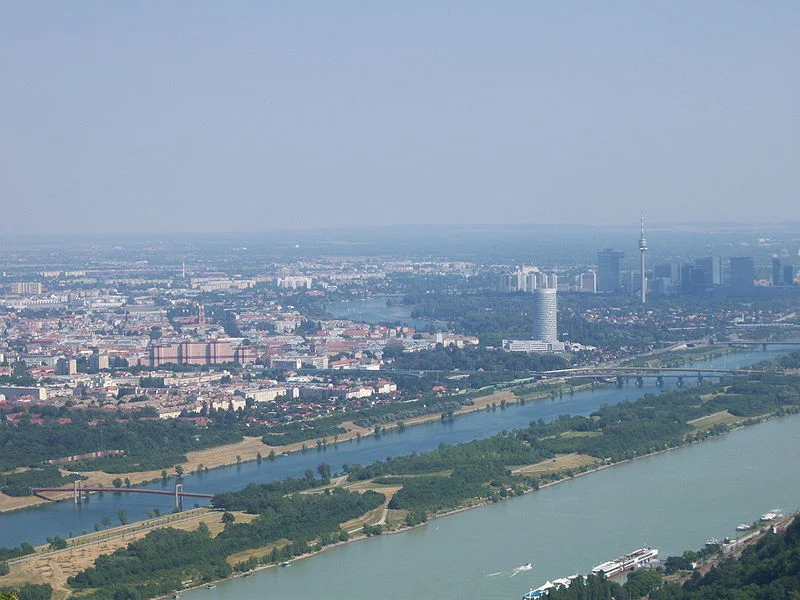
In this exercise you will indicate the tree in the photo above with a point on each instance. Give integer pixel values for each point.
(122, 515)
(57, 543)
(163, 474)
(324, 470)
(4, 570)
(117, 482)
(106, 521)
(127, 483)
(642, 582)
(8, 596)
(156, 512)
(228, 517)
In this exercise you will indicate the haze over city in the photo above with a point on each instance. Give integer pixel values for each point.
(257, 117)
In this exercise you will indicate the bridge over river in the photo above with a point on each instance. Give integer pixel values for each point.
(79, 492)
(624, 374)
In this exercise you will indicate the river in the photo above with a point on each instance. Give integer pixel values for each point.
(673, 501)
(65, 518)
(376, 310)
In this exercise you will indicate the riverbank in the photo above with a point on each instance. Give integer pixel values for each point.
(83, 551)
(248, 450)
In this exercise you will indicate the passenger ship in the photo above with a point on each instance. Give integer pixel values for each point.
(638, 558)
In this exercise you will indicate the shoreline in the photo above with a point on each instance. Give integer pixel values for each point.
(249, 448)
(102, 479)
(480, 504)
(196, 460)
(404, 528)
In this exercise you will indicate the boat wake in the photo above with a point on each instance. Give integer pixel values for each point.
(512, 572)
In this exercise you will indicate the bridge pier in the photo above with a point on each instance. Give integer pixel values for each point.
(640, 381)
(699, 378)
(620, 381)
(763, 347)
(178, 492)
(679, 383)
(660, 381)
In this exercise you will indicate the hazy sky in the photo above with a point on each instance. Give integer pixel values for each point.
(253, 116)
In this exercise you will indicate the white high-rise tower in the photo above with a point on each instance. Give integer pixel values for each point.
(642, 252)
(545, 311)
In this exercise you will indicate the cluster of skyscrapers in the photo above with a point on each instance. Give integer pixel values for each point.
(528, 279)
(709, 274)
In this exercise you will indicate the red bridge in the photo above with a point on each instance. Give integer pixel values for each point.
(79, 492)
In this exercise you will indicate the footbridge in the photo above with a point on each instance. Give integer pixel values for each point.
(79, 492)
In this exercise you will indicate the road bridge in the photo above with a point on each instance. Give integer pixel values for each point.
(612, 371)
(624, 375)
(763, 343)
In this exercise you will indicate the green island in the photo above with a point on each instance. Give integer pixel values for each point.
(282, 520)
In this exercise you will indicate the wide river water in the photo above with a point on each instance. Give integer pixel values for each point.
(672, 501)
(65, 518)
(376, 310)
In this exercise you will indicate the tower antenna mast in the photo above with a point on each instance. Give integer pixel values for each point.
(642, 252)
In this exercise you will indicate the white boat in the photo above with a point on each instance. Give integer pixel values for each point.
(743, 527)
(771, 515)
(634, 560)
(543, 590)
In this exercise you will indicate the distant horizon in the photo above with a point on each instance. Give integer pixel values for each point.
(684, 226)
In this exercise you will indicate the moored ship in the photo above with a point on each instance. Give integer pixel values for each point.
(771, 515)
(636, 559)
(543, 590)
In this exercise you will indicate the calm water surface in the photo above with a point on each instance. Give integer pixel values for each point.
(673, 501)
(376, 310)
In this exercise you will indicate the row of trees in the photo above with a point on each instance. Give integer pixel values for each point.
(147, 444)
(452, 358)
(20, 483)
(30, 591)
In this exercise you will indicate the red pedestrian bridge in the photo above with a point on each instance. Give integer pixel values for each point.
(79, 492)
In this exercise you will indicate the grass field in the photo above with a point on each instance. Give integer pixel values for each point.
(559, 463)
(719, 418)
(581, 434)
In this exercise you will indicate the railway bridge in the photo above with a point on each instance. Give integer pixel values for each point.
(623, 375)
